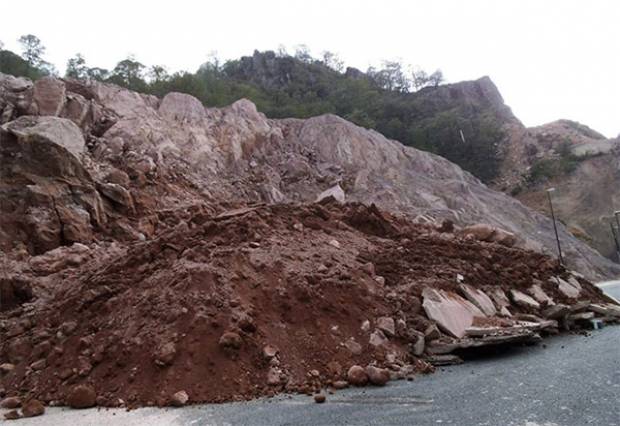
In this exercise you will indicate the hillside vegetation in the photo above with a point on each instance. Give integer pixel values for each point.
(460, 122)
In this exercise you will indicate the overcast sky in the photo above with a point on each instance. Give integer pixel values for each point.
(550, 59)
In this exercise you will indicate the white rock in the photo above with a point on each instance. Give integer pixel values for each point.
(335, 191)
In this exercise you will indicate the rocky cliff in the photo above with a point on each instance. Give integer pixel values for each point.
(91, 161)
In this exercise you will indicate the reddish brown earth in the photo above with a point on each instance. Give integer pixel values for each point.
(194, 308)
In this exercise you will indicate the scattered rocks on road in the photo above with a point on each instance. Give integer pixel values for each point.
(377, 376)
(32, 408)
(11, 402)
(81, 396)
(319, 398)
(179, 399)
(357, 376)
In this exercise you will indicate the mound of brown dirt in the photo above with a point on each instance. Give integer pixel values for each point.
(249, 303)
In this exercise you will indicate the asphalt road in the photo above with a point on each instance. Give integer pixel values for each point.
(571, 380)
(612, 288)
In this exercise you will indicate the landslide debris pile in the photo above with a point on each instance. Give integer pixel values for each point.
(265, 299)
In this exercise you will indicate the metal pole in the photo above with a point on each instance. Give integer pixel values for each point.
(555, 227)
(615, 235)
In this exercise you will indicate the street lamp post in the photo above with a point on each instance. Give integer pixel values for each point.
(617, 234)
(555, 227)
(614, 234)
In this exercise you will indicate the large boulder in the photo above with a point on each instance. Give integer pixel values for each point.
(48, 97)
(181, 107)
(48, 197)
(58, 131)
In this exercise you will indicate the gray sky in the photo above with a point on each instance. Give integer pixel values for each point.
(550, 59)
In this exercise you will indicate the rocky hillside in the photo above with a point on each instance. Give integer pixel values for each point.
(584, 167)
(156, 252)
(86, 161)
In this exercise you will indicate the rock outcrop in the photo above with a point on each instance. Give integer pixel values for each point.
(175, 154)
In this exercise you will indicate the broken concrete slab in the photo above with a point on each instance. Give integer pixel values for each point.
(523, 300)
(451, 312)
(499, 298)
(605, 310)
(504, 312)
(479, 299)
(579, 306)
(582, 316)
(539, 294)
(441, 347)
(573, 281)
(566, 288)
(556, 311)
(443, 360)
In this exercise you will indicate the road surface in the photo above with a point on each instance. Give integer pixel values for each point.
(570, 380)
(612, 288)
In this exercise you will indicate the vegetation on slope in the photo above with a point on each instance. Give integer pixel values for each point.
(402, 103)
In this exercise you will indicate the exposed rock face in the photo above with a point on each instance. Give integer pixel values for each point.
(580, 163)
(181, 107)
(585, 198)
(237, 155)
(48, 96)
(48, 197)
(58, 131)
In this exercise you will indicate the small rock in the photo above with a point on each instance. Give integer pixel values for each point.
(11, 402)
(319, 398)
(6, 368)
(33, 408)
(386, 324)
(12, 415)
(377, 338)
(165, 354)
(254, 244)
(354, 347)
(419, 343)
(335, 192)
(81, 396)
(380, 280)
(365, 325)
(357, 376)
(369, 268)
(230, 340)
(38, 365)
(334, 243)
(377, 376)
(269, 351)
(321, 268)
(431, 333)
(179, 399)
(340, 384)
(68, 327)
(247, 324)
(274, 376)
